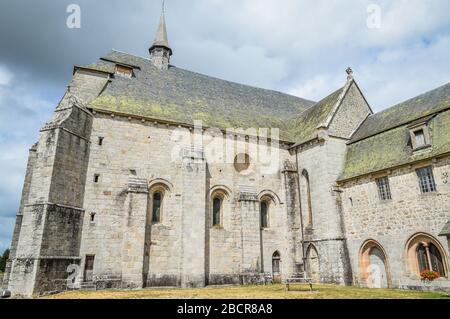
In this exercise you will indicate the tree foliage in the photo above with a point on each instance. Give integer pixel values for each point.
(3, 260)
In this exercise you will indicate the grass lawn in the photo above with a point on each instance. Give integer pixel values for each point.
(254, 292)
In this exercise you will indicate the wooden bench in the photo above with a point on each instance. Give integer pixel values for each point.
(299, 279)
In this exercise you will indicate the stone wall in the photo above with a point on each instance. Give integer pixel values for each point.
(62, 231)
(184, 243)
(351, 113)
(323, 162)
(392, 223)
(19, 216)
(50, 221)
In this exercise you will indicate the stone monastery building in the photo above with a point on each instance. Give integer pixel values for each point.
(120, 193)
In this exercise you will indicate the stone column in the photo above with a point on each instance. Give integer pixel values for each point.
(250, 232)
(134, 233)
(295, 259)
(193, 219)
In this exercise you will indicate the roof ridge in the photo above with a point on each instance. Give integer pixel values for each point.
(316, 103)
(133, 55)
(243, 84)
(397, 126)
(410, 99)
(217, 78)
(373, 118)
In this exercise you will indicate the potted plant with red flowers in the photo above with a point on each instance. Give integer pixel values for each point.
(429, 275)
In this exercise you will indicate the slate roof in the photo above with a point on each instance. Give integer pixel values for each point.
(182, 96)
(304, 127)
(405, 112)
(446, 230)
(383, 140)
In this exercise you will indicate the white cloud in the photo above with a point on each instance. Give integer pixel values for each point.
(317, 87)
(5, 76)
(407, 19)
(303, 47)
(245, 64)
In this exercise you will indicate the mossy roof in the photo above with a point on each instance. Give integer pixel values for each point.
(405, 112)
(182, 96)
(392, 147)
(304, 127)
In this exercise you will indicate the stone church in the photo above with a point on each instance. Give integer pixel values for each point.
(124, 190)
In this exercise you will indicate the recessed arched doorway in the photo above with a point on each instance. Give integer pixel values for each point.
(276, 267)
(374, 267)
(313, 266)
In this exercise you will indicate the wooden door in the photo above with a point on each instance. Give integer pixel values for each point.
(276, 271)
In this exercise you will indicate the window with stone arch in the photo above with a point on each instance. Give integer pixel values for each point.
(424, 252)
(264, 214)
(217, 211)
(306, 186)
(267, 202)
(218, 203)
(157, 195)
(157, 200)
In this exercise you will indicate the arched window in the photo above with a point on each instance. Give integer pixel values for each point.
(429, 258)
(264, 211)
(217, 210)
(426, 253)
(157, 204)
(307, 186)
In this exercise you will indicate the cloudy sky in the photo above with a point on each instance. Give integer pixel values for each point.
(298, 47)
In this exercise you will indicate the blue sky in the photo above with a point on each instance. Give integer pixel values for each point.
(298, 47)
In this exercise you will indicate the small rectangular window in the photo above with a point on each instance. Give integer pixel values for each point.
(426, 180)
(420, 138)
(92, 217)
(384, 191)
(100, 140)
(96, 178)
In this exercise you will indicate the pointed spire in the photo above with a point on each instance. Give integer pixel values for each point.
(161, 39)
